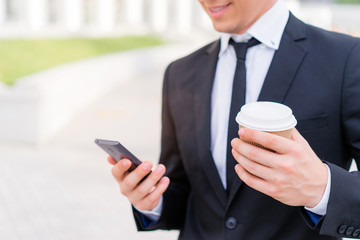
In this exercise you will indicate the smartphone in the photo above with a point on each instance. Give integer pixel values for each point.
(118, 151)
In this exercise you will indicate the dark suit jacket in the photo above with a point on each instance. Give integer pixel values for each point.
(314, 72)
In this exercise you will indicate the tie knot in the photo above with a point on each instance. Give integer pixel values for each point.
(242, 47)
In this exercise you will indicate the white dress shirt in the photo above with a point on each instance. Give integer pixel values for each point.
(268, 29)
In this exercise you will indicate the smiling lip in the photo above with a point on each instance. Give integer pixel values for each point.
(218, 10)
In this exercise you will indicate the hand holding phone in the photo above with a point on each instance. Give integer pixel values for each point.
(151, 191)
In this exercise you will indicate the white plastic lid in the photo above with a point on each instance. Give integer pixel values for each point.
(266, 116)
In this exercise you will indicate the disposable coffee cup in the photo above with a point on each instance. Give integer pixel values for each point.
(271, 117)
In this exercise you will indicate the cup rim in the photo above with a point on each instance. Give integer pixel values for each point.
(273, 117)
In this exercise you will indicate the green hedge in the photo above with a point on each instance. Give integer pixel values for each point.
(22, 57)
(348, 1)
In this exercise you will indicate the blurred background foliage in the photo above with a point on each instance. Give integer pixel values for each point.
(22, 57)
(348, 1)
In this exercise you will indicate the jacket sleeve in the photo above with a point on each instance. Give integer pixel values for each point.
(175, 197)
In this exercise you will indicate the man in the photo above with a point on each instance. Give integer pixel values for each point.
(286, 194)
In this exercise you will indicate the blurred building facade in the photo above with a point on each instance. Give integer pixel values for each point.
(21, 18)
(61, 17)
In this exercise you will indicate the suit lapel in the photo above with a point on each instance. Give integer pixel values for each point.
(286, 61)
(202, 111)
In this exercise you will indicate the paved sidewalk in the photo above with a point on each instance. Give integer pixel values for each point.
(64, 188)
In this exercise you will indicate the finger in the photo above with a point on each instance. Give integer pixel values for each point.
(253, 167)
(120, 169)
(134, 178)
(145, 187)
(277, 143)
(153, 198)
(111, 160)
(257, 154)
(296, 136)
(253, 181)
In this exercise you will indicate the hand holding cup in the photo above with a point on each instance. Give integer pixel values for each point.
(275, 159)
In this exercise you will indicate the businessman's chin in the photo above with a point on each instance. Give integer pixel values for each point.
(231, 28)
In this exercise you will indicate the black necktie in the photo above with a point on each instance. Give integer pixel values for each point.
(237, 101)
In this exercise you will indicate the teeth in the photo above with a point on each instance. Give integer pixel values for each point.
(217, 9)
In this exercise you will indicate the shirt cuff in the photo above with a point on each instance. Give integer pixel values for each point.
(321, 207)
(153, 214)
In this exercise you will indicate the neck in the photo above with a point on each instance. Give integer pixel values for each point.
(266, 7)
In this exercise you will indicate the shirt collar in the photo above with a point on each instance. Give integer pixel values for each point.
(268, 29)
